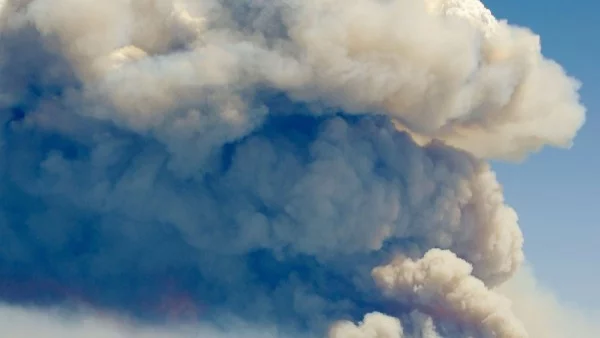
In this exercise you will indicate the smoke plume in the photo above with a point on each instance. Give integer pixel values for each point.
(311, 167)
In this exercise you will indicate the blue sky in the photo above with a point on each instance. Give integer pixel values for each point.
(557, 192)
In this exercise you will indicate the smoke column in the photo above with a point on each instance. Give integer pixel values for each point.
(312, 167)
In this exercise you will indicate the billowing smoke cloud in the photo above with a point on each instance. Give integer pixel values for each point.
(300, 165)
(442, 280)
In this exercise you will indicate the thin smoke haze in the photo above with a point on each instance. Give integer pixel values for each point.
(268, 168)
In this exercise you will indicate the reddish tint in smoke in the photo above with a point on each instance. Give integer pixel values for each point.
(177, 305)
(172, 304)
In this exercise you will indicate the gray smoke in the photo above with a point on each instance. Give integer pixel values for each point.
(263, 161)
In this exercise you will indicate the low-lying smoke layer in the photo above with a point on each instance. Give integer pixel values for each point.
(265, 160)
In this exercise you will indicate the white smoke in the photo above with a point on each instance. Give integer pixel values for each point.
(543, 314)
(443, 281)
(23, 322)
(378, 325)
(446, 69)
(375, 325)
(160, 135)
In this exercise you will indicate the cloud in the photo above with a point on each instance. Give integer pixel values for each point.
(543, 314)
(375, 325)
(163, 159)
(441, 282)
(26, 322)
